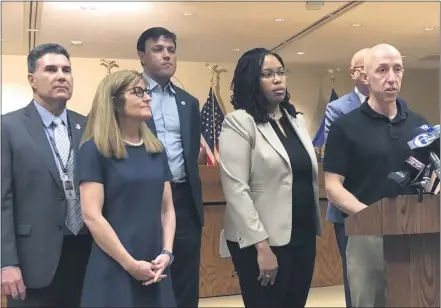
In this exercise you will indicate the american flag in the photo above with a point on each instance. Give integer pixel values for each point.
(319, 137)
(212, 117)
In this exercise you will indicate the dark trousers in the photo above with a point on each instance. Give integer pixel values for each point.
(293, 281)
(186, 248)
(342, 241)
(66, 286)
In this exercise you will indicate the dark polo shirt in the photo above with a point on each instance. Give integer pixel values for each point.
(365, 146)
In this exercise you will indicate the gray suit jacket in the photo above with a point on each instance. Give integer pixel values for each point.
(256, 177)
(32, 200)
(334, 110)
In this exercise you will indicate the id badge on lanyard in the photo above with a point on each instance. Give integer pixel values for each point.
(69, 188)
(68, 184)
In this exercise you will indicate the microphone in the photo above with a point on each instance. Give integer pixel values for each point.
(429, 141)
(415, 164)
(428, 138)
(434, 159)
(406, 186)
(401, 179)
(404, 179)
(421, 186)
(416, 175)
(434, 186)
(424, 183)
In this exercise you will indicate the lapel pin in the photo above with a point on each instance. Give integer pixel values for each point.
(183, 103)
(77, 126)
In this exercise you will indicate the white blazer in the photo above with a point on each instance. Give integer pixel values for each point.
(257, 180)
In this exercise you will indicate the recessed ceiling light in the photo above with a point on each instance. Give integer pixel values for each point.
(188, 14)
(76, 42)
(88, 7)
(280, 19)
(358, 24)
(428, 28)
(300, 53)
(235, 49)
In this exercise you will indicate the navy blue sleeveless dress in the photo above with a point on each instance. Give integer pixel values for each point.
(133, 190)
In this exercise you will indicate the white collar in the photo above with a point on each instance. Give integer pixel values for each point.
(360, 95)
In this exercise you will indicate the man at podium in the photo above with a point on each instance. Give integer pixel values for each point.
(362, 148)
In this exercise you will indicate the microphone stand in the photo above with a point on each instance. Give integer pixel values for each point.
(421, 187)
(434, 159)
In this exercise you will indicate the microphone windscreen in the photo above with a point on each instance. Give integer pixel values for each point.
(402, 178)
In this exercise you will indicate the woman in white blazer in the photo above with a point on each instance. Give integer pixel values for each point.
(269, 177)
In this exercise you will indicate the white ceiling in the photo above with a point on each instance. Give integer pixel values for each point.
(398, 23)
(112, 29)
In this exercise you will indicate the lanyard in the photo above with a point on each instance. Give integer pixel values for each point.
(57, 154)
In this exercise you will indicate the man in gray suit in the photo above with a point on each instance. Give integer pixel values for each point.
(45, 246)
(334, 110)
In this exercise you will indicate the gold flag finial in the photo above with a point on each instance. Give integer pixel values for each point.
(215, 70)
(108, 65)
(331, 72)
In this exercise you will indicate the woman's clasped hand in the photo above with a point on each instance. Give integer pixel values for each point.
(150, 272)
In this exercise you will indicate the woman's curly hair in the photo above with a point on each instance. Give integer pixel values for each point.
(247, 93)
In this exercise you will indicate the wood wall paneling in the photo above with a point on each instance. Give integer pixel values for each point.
(216, 274)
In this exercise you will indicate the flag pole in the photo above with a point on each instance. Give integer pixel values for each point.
(214, 70)
(331, 72)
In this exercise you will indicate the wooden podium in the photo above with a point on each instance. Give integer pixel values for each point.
(411, 244)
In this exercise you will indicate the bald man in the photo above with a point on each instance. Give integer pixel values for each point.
(357, 165)
(334, 110)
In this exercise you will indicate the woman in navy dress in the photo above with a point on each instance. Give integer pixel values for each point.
(125, 199)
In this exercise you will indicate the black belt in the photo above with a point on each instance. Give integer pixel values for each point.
(178, 184)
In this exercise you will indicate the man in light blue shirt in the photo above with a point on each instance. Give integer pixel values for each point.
(168, 128)
(176, 122)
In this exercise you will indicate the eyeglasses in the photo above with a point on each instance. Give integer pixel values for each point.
(138, 91)
(281, 73)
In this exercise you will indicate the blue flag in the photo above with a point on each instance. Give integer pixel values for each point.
(319, 138)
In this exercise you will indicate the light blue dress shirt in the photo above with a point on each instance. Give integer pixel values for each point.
(168, 128)
(48, 119)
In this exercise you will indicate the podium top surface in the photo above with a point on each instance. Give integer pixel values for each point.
(397, 216)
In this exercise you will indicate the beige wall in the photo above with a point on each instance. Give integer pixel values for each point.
(310, 88)
(420, 89)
